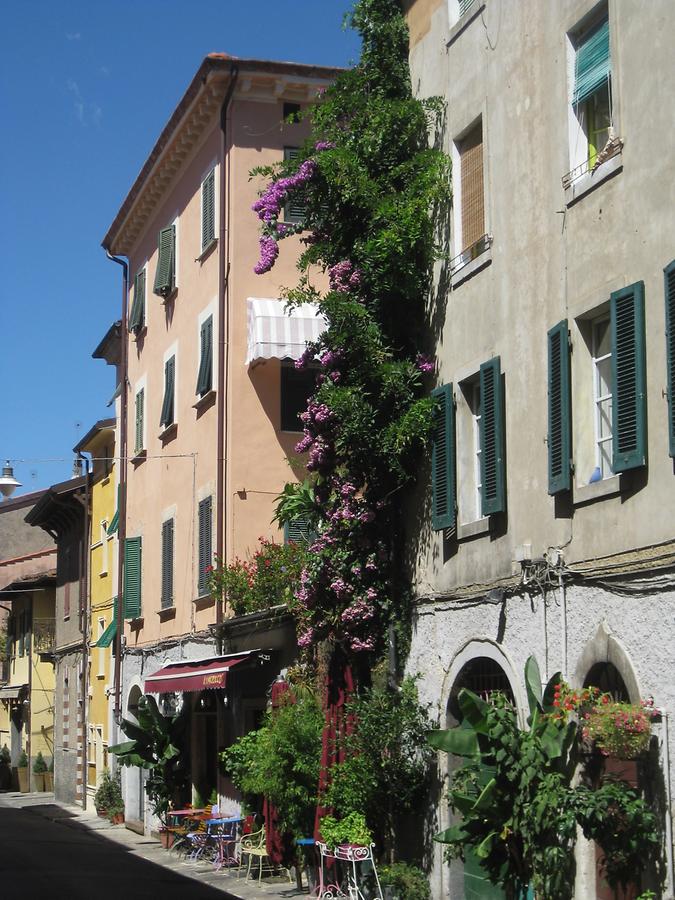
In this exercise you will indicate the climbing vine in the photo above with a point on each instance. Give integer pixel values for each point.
(369, 183)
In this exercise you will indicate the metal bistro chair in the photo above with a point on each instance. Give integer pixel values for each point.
(200, 840)
(225, 836)
(254, 846)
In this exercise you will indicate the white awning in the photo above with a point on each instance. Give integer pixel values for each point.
(275, 334)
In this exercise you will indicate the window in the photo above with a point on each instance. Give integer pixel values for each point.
(601, 357)
(167, 417)
(137, 314)
(294, 210)
(165, 274)
(101, 653)
(291, 109)
(140, 421)
(205, 374)
(480, 453)
(104, 547)
(167, 563)
(669, 281)
(472, 198)
(132, 578)
(592, 138)
(208, 210)
(610, 426)
(297, 385)
(205, 545)
(469, 451)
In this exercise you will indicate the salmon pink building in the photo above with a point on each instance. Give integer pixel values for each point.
(209, 404)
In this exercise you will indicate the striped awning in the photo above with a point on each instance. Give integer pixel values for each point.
(275, 334)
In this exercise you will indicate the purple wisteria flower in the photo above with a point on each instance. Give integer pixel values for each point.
(306, 638)
(304, 443)
(305, 359)
(358, 645)
(324, 145)
(269, 250)
(344, 277)
(424, 363)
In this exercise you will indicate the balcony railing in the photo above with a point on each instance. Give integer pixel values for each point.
(612, 148)
(44, 631)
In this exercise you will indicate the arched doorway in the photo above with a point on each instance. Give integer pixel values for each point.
(134, 776)
(485, 677)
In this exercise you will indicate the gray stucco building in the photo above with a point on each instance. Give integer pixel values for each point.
(553, 317)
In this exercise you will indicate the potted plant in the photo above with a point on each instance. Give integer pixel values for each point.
(5, 768)
(22, 773)
(116, 814)
(350, 831)
(108, 795)
(49, 776)
(620, 730)
(39, 769)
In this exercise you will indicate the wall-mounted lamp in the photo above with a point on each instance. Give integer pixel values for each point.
(8, 483)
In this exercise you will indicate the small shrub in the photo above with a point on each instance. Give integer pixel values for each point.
(23, 760)
(109, 793)
(409, 882)
(5, 756)
(350, 830)
(39, 764)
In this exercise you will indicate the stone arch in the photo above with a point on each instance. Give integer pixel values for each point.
(603, 647)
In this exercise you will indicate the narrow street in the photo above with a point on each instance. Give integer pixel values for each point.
(45, 850)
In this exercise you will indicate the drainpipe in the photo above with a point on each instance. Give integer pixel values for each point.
(223, 333)
(122, 480)
(84, 623)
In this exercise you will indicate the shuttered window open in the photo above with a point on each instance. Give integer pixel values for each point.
(443, 492)
(592, 67)
(669, 284)
(472, 187)
(132, 578)
(166, 262)
(629, 378)
(140, 420)
(559, 410)
(167, 564)
(493, 476)
(295, 207)
(208, 210)
(137, 314)
(205, 545)
(168, 403)
(205, 375)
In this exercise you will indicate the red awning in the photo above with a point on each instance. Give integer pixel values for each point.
(193, 675)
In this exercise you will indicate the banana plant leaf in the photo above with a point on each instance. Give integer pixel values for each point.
(460, 741)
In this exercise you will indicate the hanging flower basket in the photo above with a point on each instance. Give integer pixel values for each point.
(621, 730)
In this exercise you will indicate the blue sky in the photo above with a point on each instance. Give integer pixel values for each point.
(85, 88)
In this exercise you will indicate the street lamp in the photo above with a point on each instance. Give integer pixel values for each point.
(8, 483)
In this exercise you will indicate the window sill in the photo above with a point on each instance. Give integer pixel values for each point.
(169, 612)
(139, 457)
(471, 268)
(587, 493)
(204, 601)
(205, 401)
(463, 22)
(206, 251)
(169, 433)
(590, 180)
(473, 529)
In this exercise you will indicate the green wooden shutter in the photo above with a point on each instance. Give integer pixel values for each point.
(167, 416)
(205, 376)
(592, 66)
(295, 207)
(140, 403)
(137, 315)
(115, 521)
(167, 563)
(205, 545)
(465, 6)
(493, 486)
(208, 210)
(629, 378)
(669, 280)
(132, 578)
(559, 410)
(443, 459)
(164, 275)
